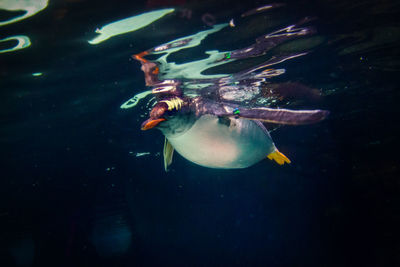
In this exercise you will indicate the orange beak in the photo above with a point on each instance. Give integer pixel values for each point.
(150, 123)
(140, 56)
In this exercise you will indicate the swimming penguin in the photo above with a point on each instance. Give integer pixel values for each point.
(202, 123)
(221, 135)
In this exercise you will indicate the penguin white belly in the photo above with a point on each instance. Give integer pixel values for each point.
(210, 143)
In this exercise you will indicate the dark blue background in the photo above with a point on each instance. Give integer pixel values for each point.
(337, 204)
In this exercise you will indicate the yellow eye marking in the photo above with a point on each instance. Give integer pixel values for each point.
(174, 103)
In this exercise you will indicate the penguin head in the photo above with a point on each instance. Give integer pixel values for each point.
(156, 116)
(164, 110)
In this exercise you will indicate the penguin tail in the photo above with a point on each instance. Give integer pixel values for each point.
(278, 157)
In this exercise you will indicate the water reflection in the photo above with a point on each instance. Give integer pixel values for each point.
(30, 8)
(128, 25)
(194, 78)
(22, 42)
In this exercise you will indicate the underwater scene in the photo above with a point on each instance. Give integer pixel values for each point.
(199, 133)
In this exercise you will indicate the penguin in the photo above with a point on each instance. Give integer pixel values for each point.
(206, 129)
(221, 135)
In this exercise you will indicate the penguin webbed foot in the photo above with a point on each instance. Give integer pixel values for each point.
(278, 157)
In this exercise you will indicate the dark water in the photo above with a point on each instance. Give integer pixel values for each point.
(73, 192)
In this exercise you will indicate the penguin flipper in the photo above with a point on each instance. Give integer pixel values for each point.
(278, 157)
(269, 115)
(284, 116)
(167, 153)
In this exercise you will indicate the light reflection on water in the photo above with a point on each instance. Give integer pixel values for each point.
(253, 86)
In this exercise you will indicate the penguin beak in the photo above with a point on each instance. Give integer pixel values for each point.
(151, 123)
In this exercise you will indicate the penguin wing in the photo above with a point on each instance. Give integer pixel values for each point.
(281, 116)
(268, 115)
(167, 153)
